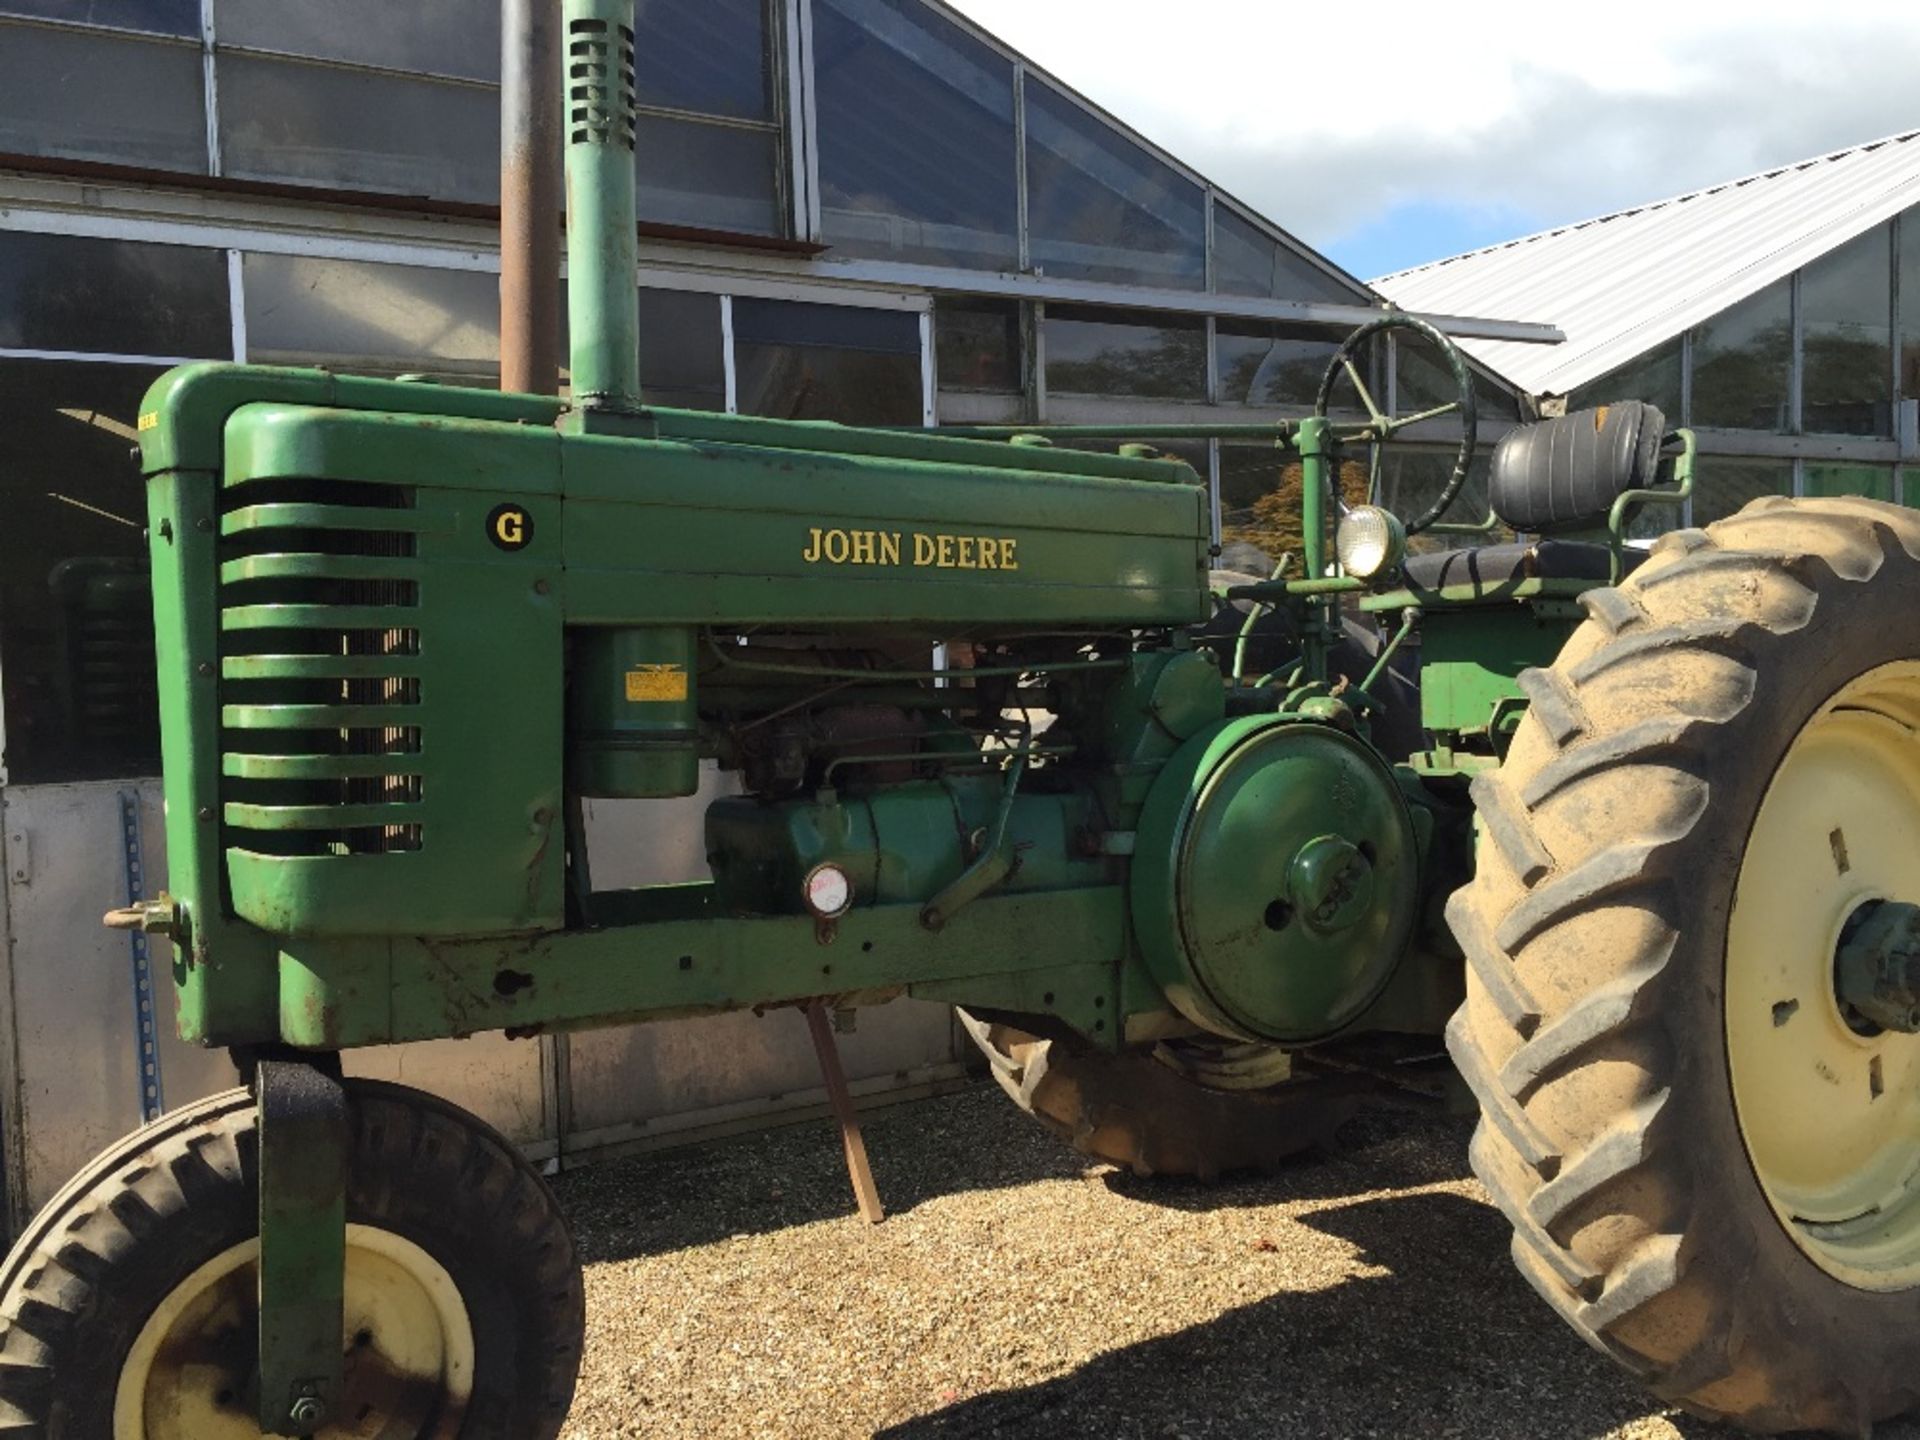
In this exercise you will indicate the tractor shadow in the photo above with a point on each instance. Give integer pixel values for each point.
(1436, 1336)
(668, 1200)
(1441, 1339)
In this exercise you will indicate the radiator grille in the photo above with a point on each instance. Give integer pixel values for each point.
(320, 688)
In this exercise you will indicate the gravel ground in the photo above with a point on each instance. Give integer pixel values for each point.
(1016, 1291)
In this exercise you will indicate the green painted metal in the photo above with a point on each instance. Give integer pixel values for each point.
(603, 543)
(1471, 659)
(1275, 879)
(633, 719)
(355, 701)
(602, 244)
(897, 841)
(304, 1135)
(682, 953)
(1279, 432)
(338, 600)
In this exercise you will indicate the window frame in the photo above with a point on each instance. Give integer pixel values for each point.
(790, 121)
(238, 237)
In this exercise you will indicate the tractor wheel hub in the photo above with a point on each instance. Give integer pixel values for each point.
(1876, 972)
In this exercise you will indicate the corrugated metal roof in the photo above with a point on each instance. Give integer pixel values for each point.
(1621, 284)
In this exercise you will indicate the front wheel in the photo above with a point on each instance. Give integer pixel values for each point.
(1707, 1144)
(128, 1309)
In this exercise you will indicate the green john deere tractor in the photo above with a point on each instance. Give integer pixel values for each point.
(1183, 853)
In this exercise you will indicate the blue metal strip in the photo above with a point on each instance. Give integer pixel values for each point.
(146, 1028)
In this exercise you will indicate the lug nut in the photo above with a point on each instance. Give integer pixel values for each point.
(307, 1411)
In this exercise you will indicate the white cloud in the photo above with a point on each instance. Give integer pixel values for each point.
(1324, 116)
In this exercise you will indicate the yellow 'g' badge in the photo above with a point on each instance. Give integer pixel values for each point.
(510, 527)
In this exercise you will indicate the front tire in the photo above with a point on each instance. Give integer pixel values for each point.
(127, 1308)
(1650, 983)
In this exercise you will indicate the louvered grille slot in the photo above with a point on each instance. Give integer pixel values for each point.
(320, 686)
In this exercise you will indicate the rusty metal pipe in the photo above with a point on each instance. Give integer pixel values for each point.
(530, 196)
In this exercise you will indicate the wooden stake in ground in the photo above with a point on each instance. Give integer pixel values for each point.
(841, 1099)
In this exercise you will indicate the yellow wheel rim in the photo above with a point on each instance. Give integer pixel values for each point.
(1831, 1117)
(407, 1338)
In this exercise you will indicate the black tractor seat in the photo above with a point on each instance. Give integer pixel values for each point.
(1490, 566)
(1558, 477)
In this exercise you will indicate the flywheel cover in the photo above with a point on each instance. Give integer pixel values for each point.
(1276, 879)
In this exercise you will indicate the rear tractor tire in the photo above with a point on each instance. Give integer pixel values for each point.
(128, 1308)
(1710, 1157)
(1201, 1110)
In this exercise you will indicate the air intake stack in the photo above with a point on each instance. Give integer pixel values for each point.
(602, 263)
(631, 716)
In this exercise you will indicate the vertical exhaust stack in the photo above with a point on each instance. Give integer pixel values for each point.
(602, 252)
(529, 195)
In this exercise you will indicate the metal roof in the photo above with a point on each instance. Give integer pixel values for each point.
(1621, 284)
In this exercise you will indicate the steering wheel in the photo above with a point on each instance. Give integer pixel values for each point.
(1381, 427)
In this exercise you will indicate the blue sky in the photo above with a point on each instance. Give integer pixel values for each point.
(1412, 232)
(1408, 132)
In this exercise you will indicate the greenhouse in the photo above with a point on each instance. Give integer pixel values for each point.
(867, 211)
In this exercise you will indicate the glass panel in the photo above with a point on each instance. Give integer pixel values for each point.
(1411, 480)
(1721, 485)
(1371, 362)
(162, 17)
(1248, 261)
(1421, 378)
(1125, 352)
(1845, 308)
(286, 120)
(1873, 481)
(797, 361)
(116, 297)
(682, 350)
(1493, 401)
(84, 95)
(1100, 208)
(76, 613)
(1653, 377)
(916, 137)
(1740, 364)
(1910, 304)
(428, 37)
(714, 177)
(709, 56)
(976, 344)
(1260, 506)
(1263, 364)
(682, 363)
(371, 319)
(1423, 382)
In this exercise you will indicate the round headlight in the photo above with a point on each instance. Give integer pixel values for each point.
(1369, 541)
(829, 891)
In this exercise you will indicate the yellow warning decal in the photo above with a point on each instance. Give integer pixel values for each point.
(149, 420)
(657, 682)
